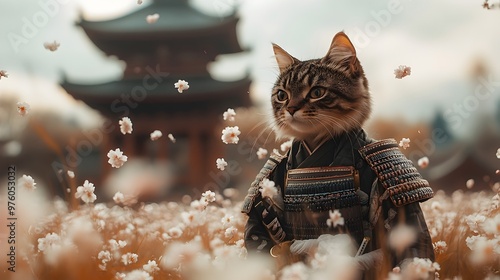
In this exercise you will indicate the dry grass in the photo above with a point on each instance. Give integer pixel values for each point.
(204, 247)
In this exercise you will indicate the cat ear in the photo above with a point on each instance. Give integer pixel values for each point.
(342, 50)
(283, 58)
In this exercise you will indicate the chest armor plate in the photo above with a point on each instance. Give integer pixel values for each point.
(310, 193)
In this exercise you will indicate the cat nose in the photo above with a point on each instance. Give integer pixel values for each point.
(292, 109)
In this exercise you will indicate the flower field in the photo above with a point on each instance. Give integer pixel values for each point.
(201, 238)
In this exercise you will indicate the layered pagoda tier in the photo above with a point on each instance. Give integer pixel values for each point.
(204, 94)
(183, 40)
(178, 46)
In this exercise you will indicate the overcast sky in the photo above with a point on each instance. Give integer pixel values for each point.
(440, 40)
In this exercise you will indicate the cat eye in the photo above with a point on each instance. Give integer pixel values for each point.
(281, 96)
(317, 92)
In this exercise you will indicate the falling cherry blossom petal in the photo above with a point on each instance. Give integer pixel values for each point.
(262, 153)
(155, 135)
(86, 192)
(152, 18)
(171, 137)
(221, 163)
(125, 125)
(402, 71)
(51, 46)
(23, 108)
(230, 135)
(404, 143)
(3, 73)
(116, 158)
(267, 188)
(423, 162)
(27, 182)
(181, 86)
(335, 219)
(229, 115)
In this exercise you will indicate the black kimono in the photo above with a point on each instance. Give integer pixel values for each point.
(370, 182)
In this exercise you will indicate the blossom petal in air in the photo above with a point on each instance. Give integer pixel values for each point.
(181, 86)
(116, 158)
(221, 163)
(125, 125)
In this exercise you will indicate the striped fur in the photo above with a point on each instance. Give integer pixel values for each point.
(320, 98)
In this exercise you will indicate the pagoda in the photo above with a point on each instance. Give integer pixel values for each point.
(178, 46)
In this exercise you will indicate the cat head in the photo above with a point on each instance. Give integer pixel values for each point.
(320, 98)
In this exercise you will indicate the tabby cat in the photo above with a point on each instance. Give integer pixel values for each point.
(332, 167)
(320, 98)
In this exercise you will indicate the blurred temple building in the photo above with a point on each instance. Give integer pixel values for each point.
(179, 46)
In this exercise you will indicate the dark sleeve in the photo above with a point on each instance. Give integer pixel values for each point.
(412, 215)
(257, 239)
(422, 248)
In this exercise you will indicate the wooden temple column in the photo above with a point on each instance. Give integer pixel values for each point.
(196, 159)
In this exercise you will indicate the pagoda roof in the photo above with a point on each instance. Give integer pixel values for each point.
(177, 17)
(203, 90)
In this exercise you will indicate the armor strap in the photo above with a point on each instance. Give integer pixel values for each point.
(253, 191)
(397, 174)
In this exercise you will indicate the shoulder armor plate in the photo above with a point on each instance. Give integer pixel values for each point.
(270, 165)
(396, 173)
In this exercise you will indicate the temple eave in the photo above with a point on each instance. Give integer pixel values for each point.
(148, 32)
(164, 95)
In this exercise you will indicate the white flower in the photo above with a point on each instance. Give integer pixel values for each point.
(118, 197)
(51, 46)
(498, 151)
(115, 245)
(152, 18)
(125, 125)
(492, 225)
(46, 242)
(227, 219)
(86, 192)
(221, 163)
(423, 162)
(230, 232)
(3, 73)
(419, 268)
(267, 188)
(171, 137)
(402, 71)
(23, 108)
(470, 183)
(71, 174)
(440, 247)
(401, 237)
(155, 135)
(229, 115)
(175, 232)
(296, 271)
(405, 143)
(261, 153)
(209, 196)
(471, 241)
(151, 267)
(138, 274)
(116, 158)
(335, 219)
(181, 86)
(104, 256)
(27, 182)
(230, 135)
(485, 250)
(285, 146)
(129, 258)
